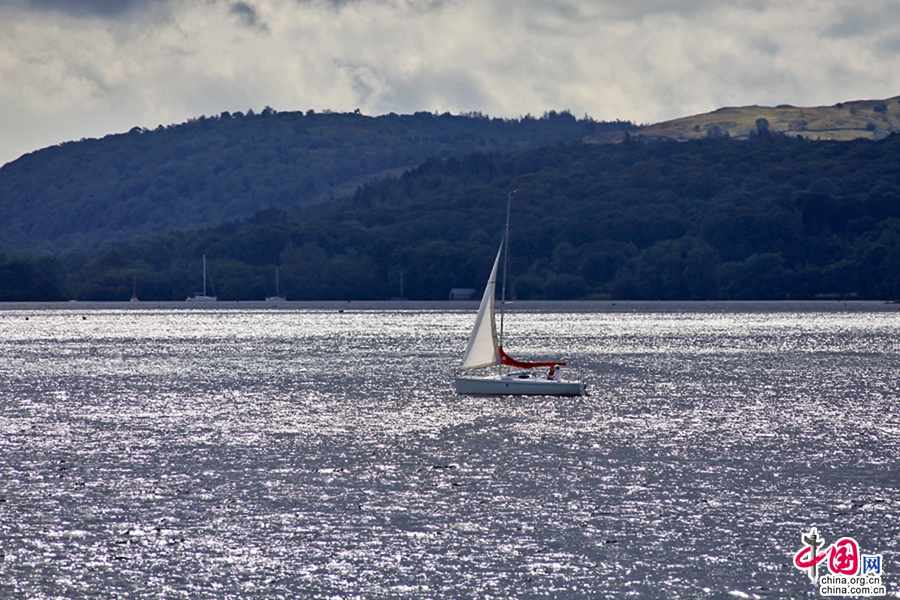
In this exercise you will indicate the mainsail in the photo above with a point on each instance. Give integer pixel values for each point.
(482, 349)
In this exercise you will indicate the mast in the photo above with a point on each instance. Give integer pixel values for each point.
(204, 275)
(505, 265)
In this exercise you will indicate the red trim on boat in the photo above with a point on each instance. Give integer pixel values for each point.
(509, 361)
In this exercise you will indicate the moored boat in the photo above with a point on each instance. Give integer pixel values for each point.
(198, 297)
(277, 298)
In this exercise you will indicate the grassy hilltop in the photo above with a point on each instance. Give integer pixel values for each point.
(867, 119)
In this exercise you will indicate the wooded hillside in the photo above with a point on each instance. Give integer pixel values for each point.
(779, 217)
(212, 170)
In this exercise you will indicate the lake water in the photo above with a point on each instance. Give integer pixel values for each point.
(319, 451)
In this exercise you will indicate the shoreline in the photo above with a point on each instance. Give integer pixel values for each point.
(598, 306)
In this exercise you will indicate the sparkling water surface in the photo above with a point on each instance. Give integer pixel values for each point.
(316, 452)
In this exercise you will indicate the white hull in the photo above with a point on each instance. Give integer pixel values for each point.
(199, 298)
(517, 384)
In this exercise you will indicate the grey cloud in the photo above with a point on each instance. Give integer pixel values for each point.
(568, 8)
(248, 15)
(766, 45)
(145, 62)
(692, 9)
(889, 46)
(383, 90)
(862, 21)
(85, 8)
(415, 5)
(579, 10)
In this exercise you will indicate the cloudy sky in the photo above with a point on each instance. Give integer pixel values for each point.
(85, 68)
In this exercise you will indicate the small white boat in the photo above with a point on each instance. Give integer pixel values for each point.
(485, 351)
(277, 298)
(198, 297)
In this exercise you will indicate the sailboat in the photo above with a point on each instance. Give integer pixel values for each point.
(277, 298)
(198, 297)
(485, 350)
(401, 297)
(134, 297)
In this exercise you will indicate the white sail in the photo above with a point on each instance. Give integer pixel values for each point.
(482, 349)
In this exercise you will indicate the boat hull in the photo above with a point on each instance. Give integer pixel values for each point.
(517, 385)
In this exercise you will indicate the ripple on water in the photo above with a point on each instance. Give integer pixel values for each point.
(242, 453)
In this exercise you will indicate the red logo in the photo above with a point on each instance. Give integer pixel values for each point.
(844, 559)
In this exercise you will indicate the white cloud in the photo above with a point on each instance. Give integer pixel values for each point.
(71, 69)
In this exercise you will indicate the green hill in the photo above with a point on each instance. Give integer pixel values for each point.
(844, 121)
(211, 170)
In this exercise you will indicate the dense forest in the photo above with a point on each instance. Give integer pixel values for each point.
(775, 218)
(212, 170)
